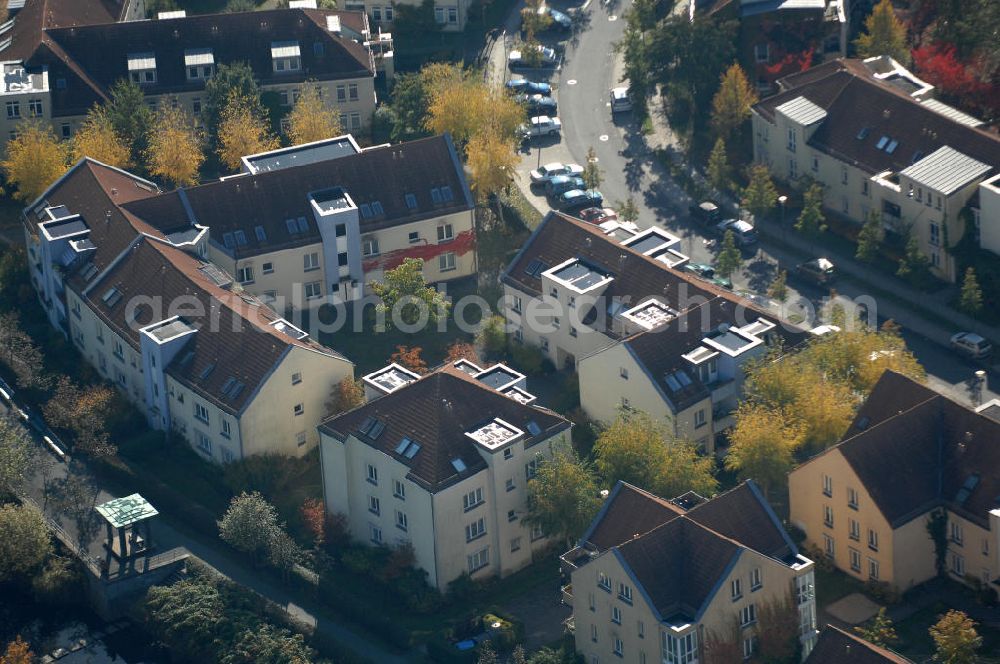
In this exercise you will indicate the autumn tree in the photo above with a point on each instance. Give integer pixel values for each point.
(461, 350)
(406, 300)
(345, 395)
(732, 102)
(870, 238)
(592, 175)
(778, 289)
(778, 631)
(35, 159)
(130, 117)
(760, 195)
(718, 166)
(729, 259)
(637, 450)
(18, 651)
(242, 131)
(97, 138)
(17, 457)
(25, 541)
(812, 221)
(627, 210)
(82, 412)
(235, 79)
(884, 34)
(19, 352)
(534, 19)
(467, 106)
(174, 151)
(411, 358)
(563, 496)
(492, 162)
(311, 118)
(859, 357)
(955, 638)
(249, 524)
(312, 514)
(879, 630)
(971, 300)
(762, 444)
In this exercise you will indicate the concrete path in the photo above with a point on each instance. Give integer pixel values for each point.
(853, 609)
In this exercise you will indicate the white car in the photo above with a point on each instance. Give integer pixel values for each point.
(547, 58)
(971, 344)
(541, 125)
(545, 173)
(620, 101)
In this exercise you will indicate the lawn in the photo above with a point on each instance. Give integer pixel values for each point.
(834, 585)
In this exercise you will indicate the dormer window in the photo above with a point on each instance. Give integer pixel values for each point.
(285, 56)
(199, 63)
(142, 68)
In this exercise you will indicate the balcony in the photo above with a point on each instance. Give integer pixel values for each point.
(575, 558)
(567, 594)
(570, 625)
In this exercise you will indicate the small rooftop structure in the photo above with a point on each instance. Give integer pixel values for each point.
(387, 380)
(945, 170)
(286, 328)
(127, 521)
(468, 367)
(168, 329)
(730, 340)
(519, 395)
(500, 376)
(126, 511)
(300, 155)
(802, 111)
(650, 314)
(578, 276)
(495, 434)
(331, 200)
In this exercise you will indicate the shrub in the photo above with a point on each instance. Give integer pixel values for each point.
(882, 591)
(527, 359)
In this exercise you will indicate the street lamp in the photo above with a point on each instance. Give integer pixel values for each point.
(782, 200)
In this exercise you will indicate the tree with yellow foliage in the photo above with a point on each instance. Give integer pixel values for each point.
(731, 104)
(98, 140)
(468, 106)
(242, 131)
(311, 119)
(492, 160)
(174, 151)
(762, 445)
(35, 159)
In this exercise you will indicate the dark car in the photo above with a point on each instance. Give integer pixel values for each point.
(525, 86)
(560, 184)
(597, 215)
(578, 198)
(559, 21)
(707, 272)
(706, 212)
(538, 104)
(819, 271)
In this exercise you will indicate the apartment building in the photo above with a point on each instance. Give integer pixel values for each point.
(59, 59)
(441, 462)
(312, 224)
(685, 580)
(449, 15)
(873, 134)
(837, 646)
(910, 453)
(642, 335)
(195, 354)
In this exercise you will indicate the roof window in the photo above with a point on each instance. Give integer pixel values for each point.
(411, 201)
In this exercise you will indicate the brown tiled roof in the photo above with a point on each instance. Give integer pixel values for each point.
(854, 100)
(383, 174)
(922, 457)
(233, 337)
(892, 394)
(628, 513)
(435, 412)
(39, 15)
(835, 646)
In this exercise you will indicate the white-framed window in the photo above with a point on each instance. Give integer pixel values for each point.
(398, 489)
(447, 262)
(227, 431)
(828, 516)
(298, 409)
(516, 304)
(402, 522)
(472, 499)
(640, 630)
(244, 274)
(374, 533)
(855, 558)
(616, 615)
(66, 130)
(755, 579)
(699, 418)
(736, 589)
(748, 615)
(873, 569)
(452, 15)
(475, 530)
(748, 647)
(854, 530)
(679, 649)
(829, 547)
(511, 515)
(372, 474)
(625, 593)
(935, 234)
(793, 169)
(872, 539)
(792, 139)
(762, 52)
(376, 13)
(374, 505)
(604, 581)
(352, 91)
(313, 290)
(310, 262)
(388, 13)
(623, 372)
(957, 534)
(843, 175)
(852, 498)
(414, 237)
(341, 93)
(572, 331)
(445, 233)
(957, 564)
(479, 560)
(509, 484)
(35, 108)
(227, 456)
(204, 443)
(986, 547)
(530, 469)
(593, 637)
(300, 439)
(267, 268)
(355, 120)
(369, 246)
(544, 344)
(201, 412)
(619, 647)
(296, 378)
(439, 15)
(827, 485)
(508, 453)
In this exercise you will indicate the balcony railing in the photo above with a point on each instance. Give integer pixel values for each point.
(575, 558)
(567, 594)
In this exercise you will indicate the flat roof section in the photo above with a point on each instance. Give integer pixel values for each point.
(650, 314)
(300, 155)
(66, 227)
(391, 378)
(579, 276)
(169, 329)
(499, 377)
(731, 341)
(519, 395)
(494, 435)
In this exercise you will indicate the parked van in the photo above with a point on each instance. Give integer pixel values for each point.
(744, 233)
(620, 101)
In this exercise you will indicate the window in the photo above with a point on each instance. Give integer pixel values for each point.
(401, 521)
(625, 593)
(762, 52)
(398, 490)
(439, 14)
(452, 15)
(226, 429)
(544, 344)
(472, 499)
(986, 547)
(355, 121)
(388, 12)
(748, 647)
(619, 647)
(626, 404)
(515, 544)
(957, 536)
(35, 107)
(593, 635)
(623, 372)
(827, 485)
(414, 237)
(855, 559)
(872, 540)
(447, 262)
(748, 615)
(957, 564)
(828, 547)
(296, 378)
(196, 105)
(298, 409)
(475, 530)
(267, 268)
(204, 443)
(352, 91)
(300, 439)
(374, 534)
(245, 274)
(201, 413)
(479, 560)
(843, 175)
(376, 13)
(679, 649)
(310, 262)
(511, 515)
(793, 169)
(530, 469)
(373, 474)
(369, 246)
(755, 582)
(736, 589)
(699, 418)
(828, 516)
(852, 498)
(13, 109)
(555, 322)
(509, 485)
(341, 93)
(227, 456)
(864, 187)
(935, 235)
(374, 506)
(616, 615)
(313, 290)
(791, 139)
(411, 201)
(517, 304)
(572, 331)
(873, 569)
(603, 581)
(66, 132)
(641, 630)
(342, 259)
(854, 530)
(508, 454)
(445, 233)
(845, 205)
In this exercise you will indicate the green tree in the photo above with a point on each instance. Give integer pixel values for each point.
(283, 553)
(633, 48)
(812, 221)
(130, 117)
(189, 615)
(592, 175)
(18, 456)
(971, 300)
(35, 159)
(637, 450)
(914, 264)
(955, 638)
(870, 238)
(718, 166)
(778, 630)
(249, 524)
(760, 195)
(25, 542)
(729, 259)
(762, 444)
(492, 336)
(231, 80)
(778, 289)
(487, 655)
(884, 35)
(732, 102)
(268, 644)
(627, 210)
(409, 105)
(563, 496)
(879, 630)
(406, 298)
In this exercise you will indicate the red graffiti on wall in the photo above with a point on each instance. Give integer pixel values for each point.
(462, 244)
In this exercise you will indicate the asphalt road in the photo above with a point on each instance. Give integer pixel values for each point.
(587, 72)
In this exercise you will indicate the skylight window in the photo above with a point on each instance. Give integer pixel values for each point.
(446, 194)
(403, 444)
(882, 142)
(893, 144)
(863, 134)
(436, 195)
(533, 428)
(229, 240)
(303, 225)
(377, 207)
(111, 297)
(458, 465)
(260, 233)
(412, 450)
(411, 201)
(207, 371)
(535, 268)
(241, 238)
(366, 211)
(292, 227)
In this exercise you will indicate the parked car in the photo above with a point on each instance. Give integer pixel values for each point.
(559, 21)
(971, 345)
(560, 184)
(546, 58)
(707, 272)
(597, 215)
(525, 86)
(620, 101)
(744, 233)
(578, 198)
(537, 104)
(819, 271)
(706, 212)
(543, 174)
(541, 125)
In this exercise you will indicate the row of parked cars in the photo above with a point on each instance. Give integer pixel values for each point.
(564, 186)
